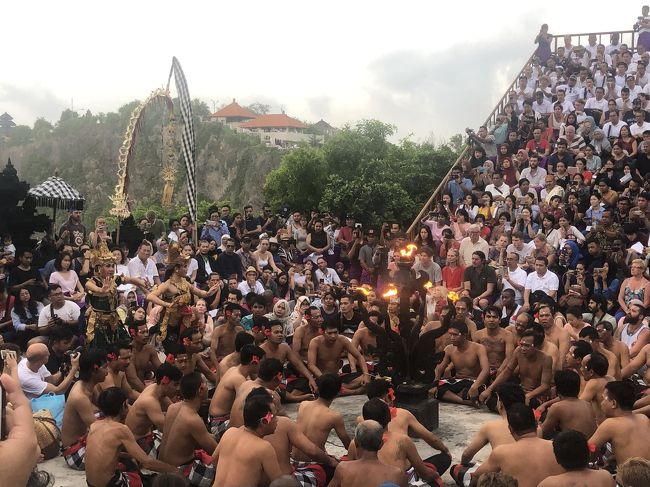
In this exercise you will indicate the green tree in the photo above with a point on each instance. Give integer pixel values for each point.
(298, 182)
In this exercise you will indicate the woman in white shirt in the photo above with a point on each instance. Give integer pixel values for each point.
(193, 266)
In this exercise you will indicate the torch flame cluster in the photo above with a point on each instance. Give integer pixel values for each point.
(391, 292)
(407, 253)
(452, 296)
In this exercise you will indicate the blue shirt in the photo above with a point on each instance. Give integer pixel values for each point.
(456, 192)
(215, 233)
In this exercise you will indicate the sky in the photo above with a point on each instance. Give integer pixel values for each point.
(429, 68)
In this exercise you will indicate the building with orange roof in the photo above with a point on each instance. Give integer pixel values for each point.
(233, 115)
(278, 129)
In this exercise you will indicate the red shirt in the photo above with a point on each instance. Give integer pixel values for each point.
(452, 276)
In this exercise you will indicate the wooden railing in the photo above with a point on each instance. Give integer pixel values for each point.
(627, 37)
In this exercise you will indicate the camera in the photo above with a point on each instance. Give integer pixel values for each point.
(73, 353)
(598, 269)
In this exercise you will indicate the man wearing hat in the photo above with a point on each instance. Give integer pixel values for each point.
(250, 284)
(571, 90)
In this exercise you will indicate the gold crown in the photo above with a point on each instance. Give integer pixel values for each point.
(101, 255)
(175, 254)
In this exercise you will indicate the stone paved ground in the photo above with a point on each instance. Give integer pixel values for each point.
(457, 425)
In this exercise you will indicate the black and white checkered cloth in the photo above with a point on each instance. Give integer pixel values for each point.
(188, 141)
(56, 193)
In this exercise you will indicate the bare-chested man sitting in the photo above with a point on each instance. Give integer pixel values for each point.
(146, 418)
(269, 377)
(224, 397)
(403, 421)
(186, 442)
(144, 359)
(498, 342)
(398, 450)
(553, 333)
(626, 432)
(303, 335)
(569, 412)
(367, 470)
(324, 357)
(317, 465)
(108, 438)
(572, 453)
(233, 359)
(366, 341)
(316, 418)
(80, 411)
(535, 368)
(594, 370)
(494, 433)
(119, 359)
(243, 457)
(222, 341)
(192, 342)
(539, 458)
(606, 338)
(298, 389)
(471, 365)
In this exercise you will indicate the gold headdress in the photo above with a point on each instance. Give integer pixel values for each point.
(175, 254)
(101, 255)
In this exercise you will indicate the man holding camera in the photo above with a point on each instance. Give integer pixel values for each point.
(60, 312)
(36, 380)
(215, 228)
(458, 186)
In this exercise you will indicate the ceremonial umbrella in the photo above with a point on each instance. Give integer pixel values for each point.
(55, 193)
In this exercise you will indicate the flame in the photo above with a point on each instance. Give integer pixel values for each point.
(452, 296)
(428, 285)
(408, 251)
(363, 291)
(392, 291)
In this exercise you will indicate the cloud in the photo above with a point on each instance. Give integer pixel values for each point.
(25, 104)
(443, 92)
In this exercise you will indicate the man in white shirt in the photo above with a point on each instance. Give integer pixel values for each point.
(250, 284)
(630, 83)
(642, 76)
(536, 175)
(471, 244)
(540, 280)
(613, 127)
(598, 102)
(570, 89)
(551, 188)
(36, 380)
(541, 105)
(515, 277)
(326, 275)
(142, 266)
(567, 106)
(520, 248)
(498, 189)
(615, 46)
(64, 310)
(592, 45)
(640, 125)
(523, 92)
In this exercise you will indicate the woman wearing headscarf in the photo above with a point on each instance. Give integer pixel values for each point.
(280, 313)
(297, 317)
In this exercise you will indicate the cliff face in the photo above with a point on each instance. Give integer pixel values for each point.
(84, 150)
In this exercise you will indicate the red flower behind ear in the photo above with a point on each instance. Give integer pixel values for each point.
(321, 332)
(268, 418)
(393, 412)
(132, 332)
(187, 342)
(391, 394)
(255, 329)
(537, 414)
(267, 332)
(592, 447)
(165, 380)
(202, 387)
(111, 356)
(170, 359)
(280, 376)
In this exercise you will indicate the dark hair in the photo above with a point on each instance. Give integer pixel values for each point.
(510, 393)
(588, 332)
(598, 364)
(170, 371)
(567, 383)
(623, 392)
(256, 406)
(58, 333)
(269, 369)
(190, 385)
(21, 310)
(237, 294)
(459, 325)
(378, 410)
(243, 338)
(89, 361)
(581, 349)
(329, 386)
(248, 352)
(111, 401)
(571, 450)
(377, 388)
(119, 345)
(59, 258)
(521, 419)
